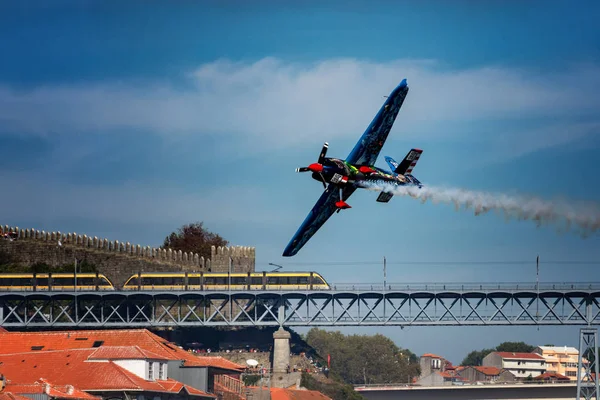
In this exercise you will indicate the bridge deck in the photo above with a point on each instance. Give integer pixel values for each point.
(346, 305)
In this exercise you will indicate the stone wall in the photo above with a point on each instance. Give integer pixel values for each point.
(117, 260)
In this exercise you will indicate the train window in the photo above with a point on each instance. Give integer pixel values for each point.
(194, 280)
(292, 280)
(273, 280)
(221, 280)
(317, 280)
(42, 281)
(62, 281)
(148, 280)
(131, 282)
(17, 282)
(209, 280)
(238, 280)
(104, 282)
(303, 280)
(256, 280)
(86, 281)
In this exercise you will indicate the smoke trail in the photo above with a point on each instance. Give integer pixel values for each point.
(584, 218)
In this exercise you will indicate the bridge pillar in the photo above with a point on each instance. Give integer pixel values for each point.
(281, 350)
(587, 374)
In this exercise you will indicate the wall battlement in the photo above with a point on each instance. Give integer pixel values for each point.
(146, 257)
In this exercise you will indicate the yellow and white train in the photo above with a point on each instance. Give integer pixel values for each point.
(224, 281)
(55, 281)
(192, 281)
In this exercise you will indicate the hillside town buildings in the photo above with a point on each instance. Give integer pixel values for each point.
(133, 364)
(553, 364)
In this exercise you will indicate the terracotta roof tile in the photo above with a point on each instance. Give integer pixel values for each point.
(216, 362)
(124, 353)
(507, 354)
(431, 355)
(19, 342)
(71, 367)
(489, 371)
(12, 396)
(552, 375)
(292, 394)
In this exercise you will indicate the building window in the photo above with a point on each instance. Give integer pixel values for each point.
(161, 371)
(571, 373)
(150, 371)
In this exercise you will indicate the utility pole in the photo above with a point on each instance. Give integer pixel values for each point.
(75, 288)
(537, 285)
(384, 273)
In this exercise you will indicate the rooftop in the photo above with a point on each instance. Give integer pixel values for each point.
(514, 355)
(43, 386)
(431, 355)
(293, 394)
(20, 342)
(74, 367)
(489, 371)
(560, 349)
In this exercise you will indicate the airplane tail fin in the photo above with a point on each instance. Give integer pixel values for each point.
(408, 164)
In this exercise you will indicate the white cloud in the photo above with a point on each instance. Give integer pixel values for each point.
(135, 203)
(275, 103)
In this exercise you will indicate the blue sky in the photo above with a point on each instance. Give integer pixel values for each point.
(126, 120)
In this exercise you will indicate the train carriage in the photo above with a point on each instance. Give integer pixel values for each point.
(224, 281)
(85, 281)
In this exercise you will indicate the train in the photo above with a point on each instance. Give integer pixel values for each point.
(148, 281)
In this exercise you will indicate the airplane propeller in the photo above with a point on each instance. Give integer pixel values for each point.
(318, 166)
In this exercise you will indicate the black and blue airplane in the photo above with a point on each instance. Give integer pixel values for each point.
(341, 178)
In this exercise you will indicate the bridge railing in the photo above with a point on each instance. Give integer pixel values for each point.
(465, 287)
(507, 287)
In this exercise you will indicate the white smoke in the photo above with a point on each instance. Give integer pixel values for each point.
(582, 217)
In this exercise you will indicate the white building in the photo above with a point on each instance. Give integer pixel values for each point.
(521, 365)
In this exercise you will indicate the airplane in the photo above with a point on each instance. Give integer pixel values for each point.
(340, 178)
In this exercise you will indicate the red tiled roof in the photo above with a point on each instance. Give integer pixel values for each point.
(124, 353)
(292, 394)
(531, 356)
(12, 396)
(215, 362)
(19, 342)
(551, 375)
(489, 371)
(71, 367)
(431, 355)
(42, 386)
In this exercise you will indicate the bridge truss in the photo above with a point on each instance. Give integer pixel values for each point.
(555, 304)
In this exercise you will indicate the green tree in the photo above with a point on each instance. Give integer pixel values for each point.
(194, 238)
(475, 357)
(362, 359)
(517, 347)
(332, 389)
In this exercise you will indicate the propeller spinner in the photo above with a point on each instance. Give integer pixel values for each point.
(318, 166)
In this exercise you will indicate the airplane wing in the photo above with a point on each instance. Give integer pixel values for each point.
(368, 147)
(322, 210)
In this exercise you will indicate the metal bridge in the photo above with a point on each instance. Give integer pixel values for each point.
(345, 305)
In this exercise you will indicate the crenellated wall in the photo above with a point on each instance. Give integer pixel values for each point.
(56, 248)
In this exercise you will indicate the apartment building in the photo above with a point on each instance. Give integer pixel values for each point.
(521, 365)
(562, 360)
